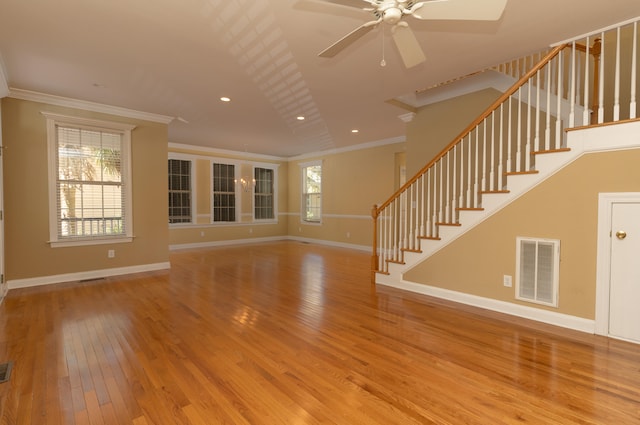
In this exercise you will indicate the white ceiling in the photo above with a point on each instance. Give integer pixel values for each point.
(178, 57)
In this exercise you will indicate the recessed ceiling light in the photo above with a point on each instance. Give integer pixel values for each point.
(355, 130)
(225, 99)
(300, 118)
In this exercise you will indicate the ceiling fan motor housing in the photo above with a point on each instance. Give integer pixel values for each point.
(392, 15)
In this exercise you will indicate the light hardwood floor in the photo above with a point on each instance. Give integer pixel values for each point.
(293, 333)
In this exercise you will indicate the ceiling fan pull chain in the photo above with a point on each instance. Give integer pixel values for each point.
(383, 62)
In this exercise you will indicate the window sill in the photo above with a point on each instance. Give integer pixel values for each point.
(90, 241)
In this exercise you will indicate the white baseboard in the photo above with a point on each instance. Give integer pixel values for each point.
(93, 274)
(267, 239)
(330, 243)
(531, 313)
(211, 244)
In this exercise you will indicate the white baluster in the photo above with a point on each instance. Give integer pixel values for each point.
(601, 82)
(616, 95)
(447, 210)
(462, 169)
(547, 130)
(484, 155)
(559, 134)
(634, 58)
(410, 233)
(509, 134)
(536, 143)
(519, 137)
(586, 113)
(572, 82)
(440, 206)
(493, 152)
(422, 206)
(476, 188)
(501, 149)
(454, 185)
(527, 149)
(429, 213)
(469, 170)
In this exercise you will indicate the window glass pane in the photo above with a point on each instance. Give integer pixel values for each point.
(224, 197)
(312, 193)
(179, 191)
(89, 185)
(263, 194)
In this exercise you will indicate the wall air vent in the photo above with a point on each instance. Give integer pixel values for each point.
(537, 270)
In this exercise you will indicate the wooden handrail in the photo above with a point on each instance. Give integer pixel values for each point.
(505, 96)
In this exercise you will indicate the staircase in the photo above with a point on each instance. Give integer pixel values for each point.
(517, 143)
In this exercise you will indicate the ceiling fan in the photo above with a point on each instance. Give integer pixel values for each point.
(392, 12)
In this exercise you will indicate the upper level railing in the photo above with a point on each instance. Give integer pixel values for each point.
(588, 80)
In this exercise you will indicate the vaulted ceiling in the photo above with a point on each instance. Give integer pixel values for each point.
(177, 58)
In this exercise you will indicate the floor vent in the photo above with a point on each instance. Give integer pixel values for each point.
(5, 371)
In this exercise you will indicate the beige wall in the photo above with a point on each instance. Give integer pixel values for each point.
(436, 125)
(28, 255)
(564, 207)
(203, 232)
(352, 182)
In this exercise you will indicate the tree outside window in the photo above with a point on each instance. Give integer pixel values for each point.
(312, 193)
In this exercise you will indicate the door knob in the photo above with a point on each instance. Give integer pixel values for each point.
(621, 234)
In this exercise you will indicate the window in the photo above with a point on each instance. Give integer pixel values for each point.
(224, 193)
(263, 201)
(537, 269)
(180, 191)
(312, 192)
(89, 181)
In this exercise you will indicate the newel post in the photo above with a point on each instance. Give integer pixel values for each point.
(374, 256)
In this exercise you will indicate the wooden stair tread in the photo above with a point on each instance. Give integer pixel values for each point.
(520, 173)
(485, 192)
(550, 151)
(448, 224)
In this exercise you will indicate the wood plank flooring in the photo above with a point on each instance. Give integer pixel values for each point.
(293, 333)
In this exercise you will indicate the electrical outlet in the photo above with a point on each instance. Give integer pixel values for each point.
(111, 253)
(507, 281)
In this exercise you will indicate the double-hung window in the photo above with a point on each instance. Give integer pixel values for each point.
(224, 193)
(312, 192)
(180, 191)
(89, 181)
(263, 196)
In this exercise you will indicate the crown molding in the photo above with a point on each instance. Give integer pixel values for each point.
(87, 106)
(223, 152)
(368, 145)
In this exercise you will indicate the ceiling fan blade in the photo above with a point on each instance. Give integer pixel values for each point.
(348, 39)
(408, 46)
(468, 10)
(359, 4)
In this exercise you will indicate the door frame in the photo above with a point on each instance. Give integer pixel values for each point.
(4, 287)
(603, 259)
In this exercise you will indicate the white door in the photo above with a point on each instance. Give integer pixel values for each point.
(624, 284)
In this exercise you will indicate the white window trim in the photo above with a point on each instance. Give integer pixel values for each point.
(273, 167)
(88, 124)
(236, 191)
(556, 270)
(303, 210)
(190, 158)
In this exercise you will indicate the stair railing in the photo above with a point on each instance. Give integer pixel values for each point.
(528, 119)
